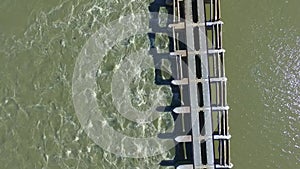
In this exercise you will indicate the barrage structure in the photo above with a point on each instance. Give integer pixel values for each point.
(199, 106)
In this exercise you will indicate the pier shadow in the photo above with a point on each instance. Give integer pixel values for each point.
(183, 151)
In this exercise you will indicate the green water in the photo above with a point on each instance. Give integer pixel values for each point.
(39, 44)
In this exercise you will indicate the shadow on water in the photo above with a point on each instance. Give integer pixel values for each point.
(182, 150)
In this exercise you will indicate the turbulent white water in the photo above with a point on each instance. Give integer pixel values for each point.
(39, 45)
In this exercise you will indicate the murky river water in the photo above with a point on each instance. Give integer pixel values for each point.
(41, 40)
